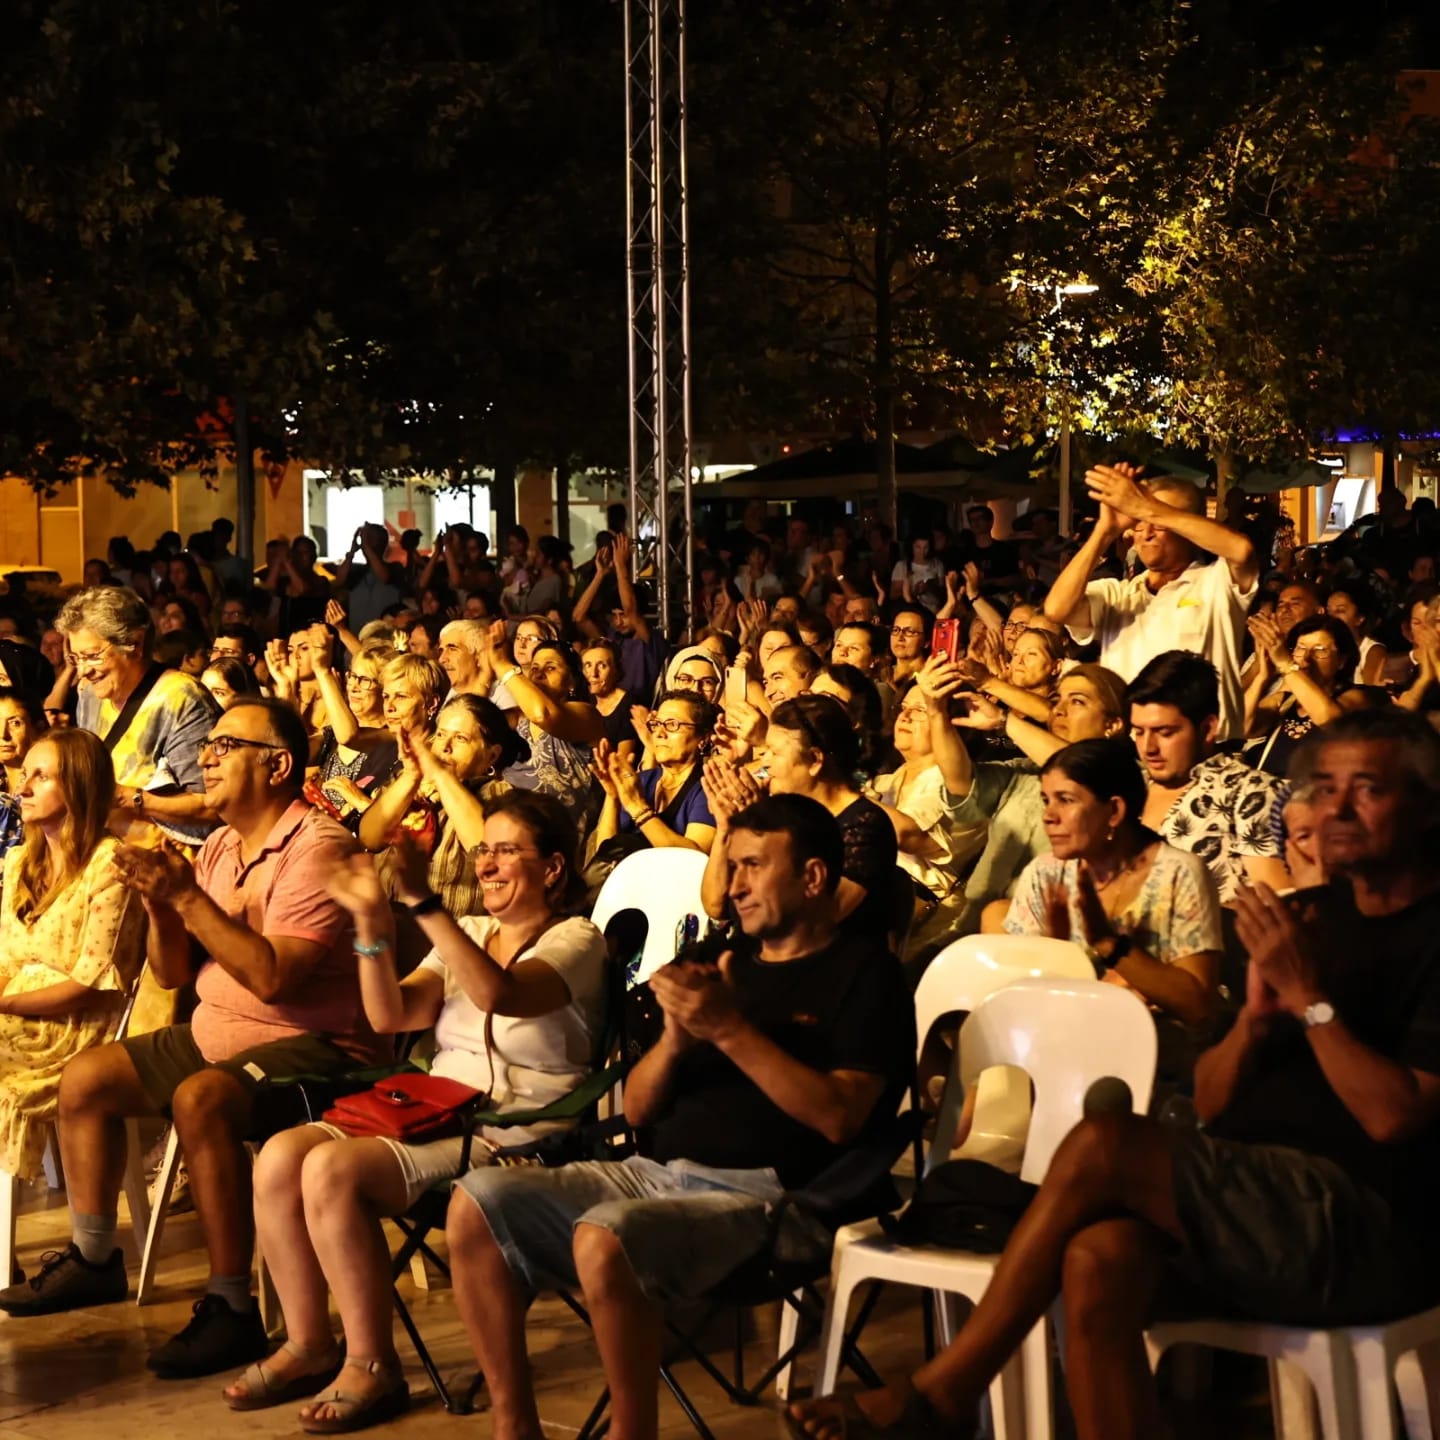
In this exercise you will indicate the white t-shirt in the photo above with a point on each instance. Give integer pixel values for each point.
(539, 1059)
(1202, 610)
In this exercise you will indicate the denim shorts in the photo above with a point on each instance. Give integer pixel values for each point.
(684, 1227)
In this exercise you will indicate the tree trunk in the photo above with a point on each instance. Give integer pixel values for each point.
(502, 496)
(887, 501)
(562, 502)
(1387, 464)
(244, 485)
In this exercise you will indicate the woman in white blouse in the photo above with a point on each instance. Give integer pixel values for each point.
(515, 997)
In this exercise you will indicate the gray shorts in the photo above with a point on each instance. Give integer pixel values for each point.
(1280, 1235)
(683, 1227)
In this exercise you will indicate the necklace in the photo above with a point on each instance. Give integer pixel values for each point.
(1125, 867)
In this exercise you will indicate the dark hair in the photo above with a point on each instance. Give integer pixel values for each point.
(1338, 631)
(236, 674)
(817, 624)
(822, 721)
(193, 578)
(876, 646)
(865, 709)
(287, 728)
(192, 615)
(309, 544)
(171, 649)
(493, 726)
(814, 833)
(904, 607)
(787, 628)
(222, 525)
(517, 532)
(806, 660)
(702, 712)
(728, 642)
(610, 647)
(247, 635)
(32, 710)
(1297, 583)
(1360, 595)
(1180, 678)
(571, 661)
(1108, 769)
(432, 625)
(554, 832)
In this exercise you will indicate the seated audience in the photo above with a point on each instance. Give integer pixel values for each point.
(600, 664)
(1145, 912)
(1319, 1149)
(19, 730)
(515, 997)
(71, 935)
(278, 995)
(740, 1103)
(228, 679)
(463, 645)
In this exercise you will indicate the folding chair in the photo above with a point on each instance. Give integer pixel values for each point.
(856, 1187)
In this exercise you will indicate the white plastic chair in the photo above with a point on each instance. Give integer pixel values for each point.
(1065, 1034)
(1352, 1370)
(135, 1190)
(962, 975)
(664, 885)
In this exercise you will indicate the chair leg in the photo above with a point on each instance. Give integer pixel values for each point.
(9, 1206)
(1375, 1389)
(832, 1331)
(137, 1193)
(1293, 1404)
(418, 1273)
(271, 1315)
(165, 1185)
(1035, 1352)
(789, 1329)
(1417, 1379)
(54, 1175)
(1330, 1364)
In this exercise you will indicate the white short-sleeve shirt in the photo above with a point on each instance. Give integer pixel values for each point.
(1201, 610)
(537, 1059)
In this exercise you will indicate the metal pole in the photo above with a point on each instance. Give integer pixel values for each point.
(660, 306)
(687, 434)
(244, 483)
(1065, 469)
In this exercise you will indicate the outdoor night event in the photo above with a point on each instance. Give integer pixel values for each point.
(720, 718)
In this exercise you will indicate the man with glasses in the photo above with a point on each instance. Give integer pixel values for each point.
(1180, 601)
(152, 720)
(271, 958)
(1213, 805)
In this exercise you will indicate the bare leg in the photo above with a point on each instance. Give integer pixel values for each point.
(212, 1114)
(98, 1090)
(627, 1328)
(1111, 1273)
(493, 1308)
(1110, 1167)
(347, 1186)
(285, 1243)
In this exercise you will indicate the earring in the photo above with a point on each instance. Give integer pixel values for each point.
(1110, 836)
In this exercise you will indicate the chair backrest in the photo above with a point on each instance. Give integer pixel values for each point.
(1065, 1034)
(664, 885)
(968, 970)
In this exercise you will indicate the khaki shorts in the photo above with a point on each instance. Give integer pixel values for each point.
(164, 1059)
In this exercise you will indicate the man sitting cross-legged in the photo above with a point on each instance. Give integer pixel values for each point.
(798, 1043)
(1309, 1199)
(278, 995)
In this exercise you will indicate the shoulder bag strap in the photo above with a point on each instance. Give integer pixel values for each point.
(131, 708)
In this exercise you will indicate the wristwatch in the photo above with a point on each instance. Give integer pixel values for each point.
(426, 905)
(1119, 946)
(1322, 1012)
(137, 802)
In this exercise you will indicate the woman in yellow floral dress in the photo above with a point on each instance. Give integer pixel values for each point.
(71, 935)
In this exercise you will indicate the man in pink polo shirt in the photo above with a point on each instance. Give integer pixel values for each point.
(278, 991)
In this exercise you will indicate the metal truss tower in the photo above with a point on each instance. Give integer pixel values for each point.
(658, 285)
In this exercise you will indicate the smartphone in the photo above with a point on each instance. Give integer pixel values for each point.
(737, 682)
(945, 640)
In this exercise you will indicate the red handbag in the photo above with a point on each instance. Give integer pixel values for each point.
(404, 1107)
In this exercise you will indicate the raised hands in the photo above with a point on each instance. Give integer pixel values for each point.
(753, 615)
(356, 888)
(729, 788)
(979, 712)
(1122, 501)
(621, 553)
(159, 877)
(335, 614)
(284, 672)
(938, 679)
(973, 580)
(1269, 643)
(322, 647)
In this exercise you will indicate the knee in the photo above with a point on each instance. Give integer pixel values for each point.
(327, 1175)
(210, 1106)
(1106, 1277)
(599, 1257)
(278, 1165)
(1092, 1157)
(467, 1232)
(86, 1083)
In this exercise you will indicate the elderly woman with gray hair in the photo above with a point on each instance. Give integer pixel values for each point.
(152, 720)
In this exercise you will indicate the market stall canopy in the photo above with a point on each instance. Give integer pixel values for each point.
(1303, 475)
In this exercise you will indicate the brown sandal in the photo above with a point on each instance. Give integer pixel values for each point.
(358, 1412)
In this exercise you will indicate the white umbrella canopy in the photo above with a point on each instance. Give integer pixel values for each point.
(1303, 475)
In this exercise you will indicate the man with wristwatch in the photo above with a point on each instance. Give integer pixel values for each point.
(1308, 1198)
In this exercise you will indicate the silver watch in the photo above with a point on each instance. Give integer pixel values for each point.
(1322, 1012)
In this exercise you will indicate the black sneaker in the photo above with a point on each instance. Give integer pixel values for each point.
(217, 1338)
(66, 1280)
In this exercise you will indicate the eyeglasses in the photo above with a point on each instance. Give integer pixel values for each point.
(906, 632)
(221, 745)
(88, 662)
(362, 682)
(502, 851)
(1323, 652)
(696, 682)
(671, 727)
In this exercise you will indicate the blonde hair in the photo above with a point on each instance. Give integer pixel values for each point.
(374, 656)
(87, 781)
(424, 674)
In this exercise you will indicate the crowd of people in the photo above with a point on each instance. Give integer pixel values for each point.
(297, 813)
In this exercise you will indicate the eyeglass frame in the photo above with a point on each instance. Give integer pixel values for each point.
(212, 743)
(505, 850)
(670, 726)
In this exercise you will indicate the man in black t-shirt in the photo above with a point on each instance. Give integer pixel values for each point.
(793, 1046)
(1309, 1199)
